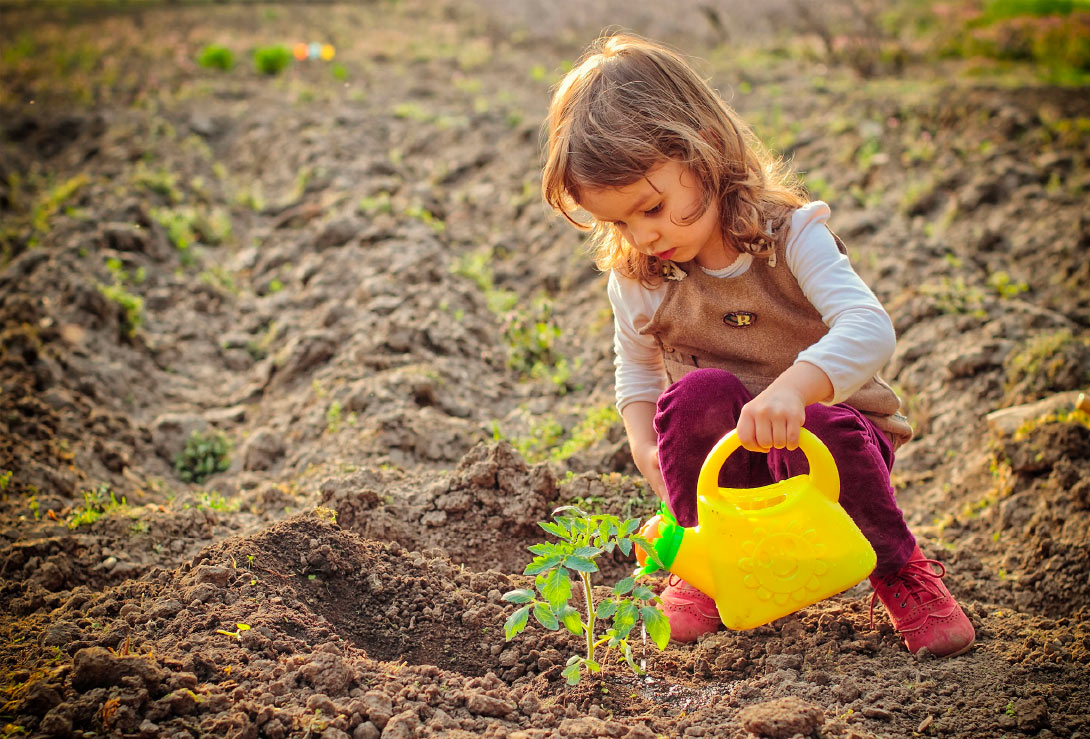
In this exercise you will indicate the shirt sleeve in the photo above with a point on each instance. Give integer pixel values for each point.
(638, 370)
(861, 338)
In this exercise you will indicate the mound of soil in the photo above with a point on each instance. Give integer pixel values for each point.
(342, 273)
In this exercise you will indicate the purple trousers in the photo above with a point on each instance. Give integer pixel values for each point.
(697, 410)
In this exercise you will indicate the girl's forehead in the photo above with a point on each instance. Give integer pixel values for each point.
(615, 203)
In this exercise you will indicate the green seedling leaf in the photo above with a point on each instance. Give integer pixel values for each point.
(570, 618)
(657, 624)
(626, 650)
(571, 674)
(555, 587)
(540, 564)
(628, 527)
(624, 586)
(606, 609)
(642, 592)
(545, 617)
(592, 665)
(625, 545)
(587, 552)
(649, 548)
(569, 511)
(522, 595)
(554, 529)
(580, 564)
(516, 622)
(626, 617)
(546, 549)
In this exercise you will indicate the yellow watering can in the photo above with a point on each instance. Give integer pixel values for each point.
(762, 553)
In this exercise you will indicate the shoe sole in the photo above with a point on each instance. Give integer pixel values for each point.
(925, 653)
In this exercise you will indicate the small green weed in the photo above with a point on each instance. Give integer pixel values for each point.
(179, 226)
(271, 60)
(159, 181)
(1004, 286)
(956, 296)
(214, 501)
(425, 216)
(594, 427)
(531, 337)
(1044, 360)
(216, 56)
(378, 203)
(203, 455)
(132, 308)
(237, 633)
(49, 203)
(96, 503)
(5, 479)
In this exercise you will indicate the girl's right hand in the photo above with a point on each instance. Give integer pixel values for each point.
(647, 460)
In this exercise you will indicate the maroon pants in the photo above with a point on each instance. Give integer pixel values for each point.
(695, 412)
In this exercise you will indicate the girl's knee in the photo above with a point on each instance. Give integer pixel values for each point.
(703, 386)
(703, 392)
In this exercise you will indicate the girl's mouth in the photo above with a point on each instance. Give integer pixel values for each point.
(668, 254)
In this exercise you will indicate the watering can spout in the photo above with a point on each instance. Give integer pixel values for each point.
(763, 553)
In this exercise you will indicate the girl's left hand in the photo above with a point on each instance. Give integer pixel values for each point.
(772, 420)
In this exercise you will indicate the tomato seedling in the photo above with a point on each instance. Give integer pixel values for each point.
(583, 538)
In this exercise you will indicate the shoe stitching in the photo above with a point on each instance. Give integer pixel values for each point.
(919, 572)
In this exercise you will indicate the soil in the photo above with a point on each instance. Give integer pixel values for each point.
(384, 478)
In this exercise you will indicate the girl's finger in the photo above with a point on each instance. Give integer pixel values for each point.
(746, 436)
(792, 441)
(764, 435)
(779, 434)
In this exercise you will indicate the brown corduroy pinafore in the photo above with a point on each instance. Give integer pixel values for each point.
(754, 326)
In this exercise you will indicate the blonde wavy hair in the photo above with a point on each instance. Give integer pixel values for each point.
(631, 104)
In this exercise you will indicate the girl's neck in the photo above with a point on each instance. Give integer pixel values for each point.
(718, 256)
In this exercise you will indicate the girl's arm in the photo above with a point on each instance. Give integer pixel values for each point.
(638, 424)
(639, 378)
(860, 339)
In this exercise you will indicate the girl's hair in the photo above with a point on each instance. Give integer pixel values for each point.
(631, 104)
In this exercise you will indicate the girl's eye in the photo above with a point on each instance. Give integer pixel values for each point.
(653, 211)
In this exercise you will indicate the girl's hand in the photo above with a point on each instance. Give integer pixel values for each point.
(772, 419)
(647, 461)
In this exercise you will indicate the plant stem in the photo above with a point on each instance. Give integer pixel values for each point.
(585, 577)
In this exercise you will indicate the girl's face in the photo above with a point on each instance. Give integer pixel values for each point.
(650, 212)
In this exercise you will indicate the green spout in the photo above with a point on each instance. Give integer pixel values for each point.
(667, 545)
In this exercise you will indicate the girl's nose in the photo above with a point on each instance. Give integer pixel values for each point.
(644, 238)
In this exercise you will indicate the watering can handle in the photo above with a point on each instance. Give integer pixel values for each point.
(823, 472)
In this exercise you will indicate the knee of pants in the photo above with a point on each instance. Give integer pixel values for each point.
(702, 390)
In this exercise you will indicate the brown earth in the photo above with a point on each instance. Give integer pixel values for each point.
(340, 333)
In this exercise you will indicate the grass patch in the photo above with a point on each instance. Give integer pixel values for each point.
(271, 60)
(204, 455)
(216, 56)
(97, 503)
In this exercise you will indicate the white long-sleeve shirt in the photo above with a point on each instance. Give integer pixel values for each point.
(860, 339)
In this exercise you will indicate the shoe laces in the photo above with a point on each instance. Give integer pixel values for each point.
(911, 582)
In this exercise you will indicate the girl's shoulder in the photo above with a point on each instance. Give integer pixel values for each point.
(806, 223)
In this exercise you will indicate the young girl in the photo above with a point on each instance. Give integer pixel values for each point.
(734, 307)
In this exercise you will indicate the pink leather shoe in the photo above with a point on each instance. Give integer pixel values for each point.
(691, 613)
(922, 609)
